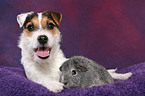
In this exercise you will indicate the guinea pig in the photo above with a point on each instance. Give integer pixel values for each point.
(82, 72)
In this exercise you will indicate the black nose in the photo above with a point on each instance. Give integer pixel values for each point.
(42, 39)
(65, 83)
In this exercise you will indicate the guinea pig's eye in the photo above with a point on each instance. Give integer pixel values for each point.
(31, 27)
(50, 26)
(74, 72)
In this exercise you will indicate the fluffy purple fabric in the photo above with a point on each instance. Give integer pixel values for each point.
(13, 82)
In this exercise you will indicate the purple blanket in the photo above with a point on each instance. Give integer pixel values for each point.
(13, 82)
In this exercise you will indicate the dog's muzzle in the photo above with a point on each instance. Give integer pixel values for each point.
(42, 52)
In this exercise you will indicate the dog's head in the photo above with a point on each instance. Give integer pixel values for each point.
(40, 32)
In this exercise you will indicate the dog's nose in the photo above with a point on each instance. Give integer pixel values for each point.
(42, 39)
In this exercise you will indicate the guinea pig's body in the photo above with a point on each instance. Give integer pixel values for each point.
(82, 72)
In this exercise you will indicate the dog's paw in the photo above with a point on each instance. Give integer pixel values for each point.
(55, 87)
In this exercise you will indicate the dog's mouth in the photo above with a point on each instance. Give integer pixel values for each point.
(43, 52)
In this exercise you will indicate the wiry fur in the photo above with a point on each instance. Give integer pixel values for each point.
(42, 71)
(45, 72)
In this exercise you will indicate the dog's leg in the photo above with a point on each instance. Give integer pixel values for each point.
(38, 76)
(120, 76)
(52, 85)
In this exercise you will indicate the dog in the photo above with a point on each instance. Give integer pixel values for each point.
(40, 48)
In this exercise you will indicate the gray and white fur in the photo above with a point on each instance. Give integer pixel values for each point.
(82, 72)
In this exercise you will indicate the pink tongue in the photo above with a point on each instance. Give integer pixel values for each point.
(42, 53)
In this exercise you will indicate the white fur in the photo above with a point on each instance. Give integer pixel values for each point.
(46, 72)
(40, 18)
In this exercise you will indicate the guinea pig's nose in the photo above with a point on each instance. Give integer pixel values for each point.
(65, 83)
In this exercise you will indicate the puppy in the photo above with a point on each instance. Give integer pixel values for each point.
(40, 48)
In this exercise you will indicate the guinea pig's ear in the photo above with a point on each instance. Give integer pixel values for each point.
(75, 61)
(81, 68)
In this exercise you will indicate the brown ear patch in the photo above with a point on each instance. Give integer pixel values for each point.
(57, 17)
(54, 16)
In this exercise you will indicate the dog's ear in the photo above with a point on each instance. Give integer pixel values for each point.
(21, 18)
(56, 16)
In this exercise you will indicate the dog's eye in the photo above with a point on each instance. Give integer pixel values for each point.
(74, 72)
(50, 26)
(31, 27)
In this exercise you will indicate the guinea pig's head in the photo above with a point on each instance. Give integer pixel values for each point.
(73, 70)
